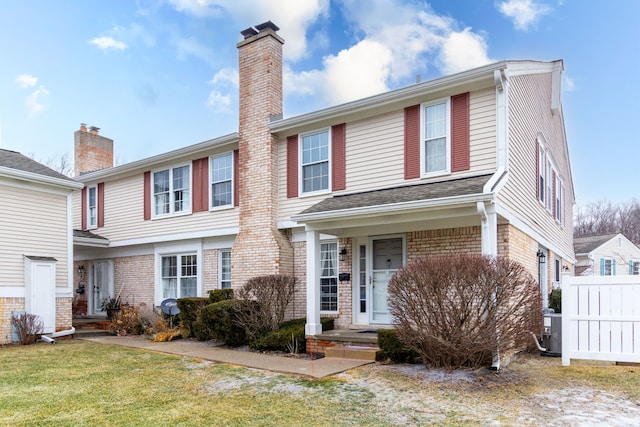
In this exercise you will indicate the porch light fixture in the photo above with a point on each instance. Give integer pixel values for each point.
(541, 257)
(81, 272)
(343, 254)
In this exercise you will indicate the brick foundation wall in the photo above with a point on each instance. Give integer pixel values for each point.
(444, 242)
(7, 306)
(63, 313)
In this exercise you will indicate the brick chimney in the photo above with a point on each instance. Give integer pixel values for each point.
(260, 248)
(92, 151)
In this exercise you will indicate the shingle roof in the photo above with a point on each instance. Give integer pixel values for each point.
(87, 235)
(584, 245)
(14, 160)
(436, 190)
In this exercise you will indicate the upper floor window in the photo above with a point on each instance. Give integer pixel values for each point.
(315, 161)
(607, 267)
(634, 267)
(172, 190)
(436, 144)
(92, 207)
(222, 180)
(542, 174)
(179, 276)
(224, 271)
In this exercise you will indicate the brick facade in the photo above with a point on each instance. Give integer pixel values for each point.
(8, 306)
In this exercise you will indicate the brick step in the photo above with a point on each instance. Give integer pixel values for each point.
(357, 352)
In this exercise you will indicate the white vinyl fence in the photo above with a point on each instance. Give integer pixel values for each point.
(601, 318)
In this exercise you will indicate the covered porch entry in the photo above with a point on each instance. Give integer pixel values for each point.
(378, 232)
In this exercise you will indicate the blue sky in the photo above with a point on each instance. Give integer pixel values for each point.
(160, 75)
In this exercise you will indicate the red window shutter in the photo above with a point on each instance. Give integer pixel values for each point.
(200, 184)
(338, 157)
(292, 166)
(147, 195)
(236, 177)
(460, 132)
(101, 204)
(412, 142)
(83, 209)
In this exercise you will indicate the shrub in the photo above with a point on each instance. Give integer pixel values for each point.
(218, 295)
(272, 295)
(126, 322)
(28, 327)
(391, 347)
(190, 314)
(219, 322)
(555, 300)
(288, 337)
(456, 311)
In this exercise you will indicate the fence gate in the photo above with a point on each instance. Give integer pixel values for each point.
(601, 318)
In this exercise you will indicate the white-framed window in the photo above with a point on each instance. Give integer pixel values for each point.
(607, 267)
(634, 267)
(329, 276)
(542, 174)
(559, 201)
(549, 189)
(557, 270)
(315, 154)
(224, 269)
(92, 207)
(221, 181)
(172, 190)
(435, 134)
(179, 276)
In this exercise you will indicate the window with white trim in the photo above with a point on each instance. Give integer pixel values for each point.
(92, 207)
(172, 191)
(435, 137)
(179, 276)
(549, 190)
(559, 200)
(542, 174)
(329, 276)
(607, 267)
(634, 267)
(224, 270)
(315, 155)
(222, 180)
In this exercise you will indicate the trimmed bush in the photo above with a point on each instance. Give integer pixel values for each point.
(555, 300)
(218, 295)
(219, 321)
(289, 337)
(456, 311)
(189, 315)
(392, 348)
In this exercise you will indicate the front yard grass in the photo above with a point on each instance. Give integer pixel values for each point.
(82, 383)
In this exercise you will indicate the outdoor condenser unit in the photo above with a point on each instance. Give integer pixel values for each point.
(552, 334)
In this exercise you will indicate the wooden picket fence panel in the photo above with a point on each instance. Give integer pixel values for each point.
(601, 318)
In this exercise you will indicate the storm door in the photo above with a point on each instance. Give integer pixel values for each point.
(387, 258)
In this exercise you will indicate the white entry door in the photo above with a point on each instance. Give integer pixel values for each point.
(387, 258)
(101, 285)
(41, 291)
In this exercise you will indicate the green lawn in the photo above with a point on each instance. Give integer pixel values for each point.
(82, 383)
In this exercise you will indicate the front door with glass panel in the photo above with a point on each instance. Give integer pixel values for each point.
(387, 258)
(101, 284)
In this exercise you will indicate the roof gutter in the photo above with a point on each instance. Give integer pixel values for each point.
(39, 178)
(402, 207)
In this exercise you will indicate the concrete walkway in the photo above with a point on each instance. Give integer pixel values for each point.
(313, 368)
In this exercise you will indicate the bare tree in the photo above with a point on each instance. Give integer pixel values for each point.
(603, 217)
(59, 163)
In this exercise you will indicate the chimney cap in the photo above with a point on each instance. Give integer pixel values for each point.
(267, 25)
(249, 32)
(94, 129)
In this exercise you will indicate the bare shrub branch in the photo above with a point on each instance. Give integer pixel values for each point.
(456, 311)
(28, 327)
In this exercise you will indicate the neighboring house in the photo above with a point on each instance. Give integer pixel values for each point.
(341, 198)
(606, 255)
(36, 246)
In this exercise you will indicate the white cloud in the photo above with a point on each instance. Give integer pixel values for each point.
(397, 41)
(34, 101)
(226, 76)
(219, 102)
(190, 46)
(568, 84)
(225, 88)
(463, 50)
(292, 16)
(26, 80)
(106, 43)
(524, 13)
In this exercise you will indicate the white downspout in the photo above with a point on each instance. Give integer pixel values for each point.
(502, 153)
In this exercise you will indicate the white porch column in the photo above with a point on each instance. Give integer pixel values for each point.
(489, 222)
(313, 326)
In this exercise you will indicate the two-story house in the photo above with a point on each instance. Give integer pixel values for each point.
(606, 255)
(341, 198)
(36, 243)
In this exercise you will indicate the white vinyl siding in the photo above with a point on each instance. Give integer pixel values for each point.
(35, 224)
(375, 152)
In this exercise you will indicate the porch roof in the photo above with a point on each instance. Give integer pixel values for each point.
(405, 197)
(87, 238)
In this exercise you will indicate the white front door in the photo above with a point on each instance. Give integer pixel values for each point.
(101, 285)
(387, 258)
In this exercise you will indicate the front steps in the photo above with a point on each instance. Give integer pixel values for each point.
(346, 344)
(352, 351)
